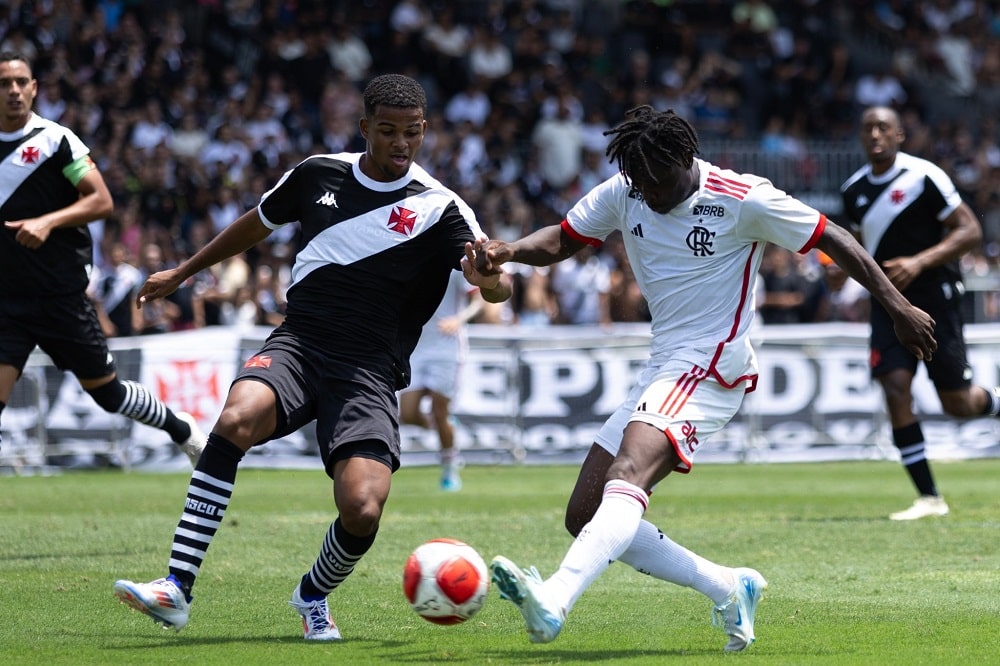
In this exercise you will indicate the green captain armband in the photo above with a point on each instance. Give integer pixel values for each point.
(77, 169)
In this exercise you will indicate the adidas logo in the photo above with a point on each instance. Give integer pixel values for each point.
(328, 199)
(637, 231)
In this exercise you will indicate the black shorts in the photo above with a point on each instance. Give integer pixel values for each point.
(64, 327)
(949, 367)
(354, 407)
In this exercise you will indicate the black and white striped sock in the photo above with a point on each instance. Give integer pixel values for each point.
(340, 552)
(206, 503)
(144, 407)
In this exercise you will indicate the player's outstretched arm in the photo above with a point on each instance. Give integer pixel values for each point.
(240, 236)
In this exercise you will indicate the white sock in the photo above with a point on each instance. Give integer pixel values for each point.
(599, 543)
(652, 552)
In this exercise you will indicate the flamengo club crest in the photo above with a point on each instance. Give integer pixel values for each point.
(700, 241)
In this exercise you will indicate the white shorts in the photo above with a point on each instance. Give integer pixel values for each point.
(438, 375)
(682, 400)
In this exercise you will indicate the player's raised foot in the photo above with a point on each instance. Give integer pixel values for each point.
(163, 600)
(923, 507)
(523, 587)
(451, 481)
(317, 625)
(736, 616)
(195, 443)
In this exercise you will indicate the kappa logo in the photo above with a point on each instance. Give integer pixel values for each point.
(328, 199)
(637, 231)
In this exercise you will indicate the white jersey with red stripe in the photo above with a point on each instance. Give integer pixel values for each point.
(697, 264)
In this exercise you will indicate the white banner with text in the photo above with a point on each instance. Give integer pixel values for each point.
(533, 395)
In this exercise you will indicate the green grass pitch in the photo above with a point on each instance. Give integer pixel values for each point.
(847, 586)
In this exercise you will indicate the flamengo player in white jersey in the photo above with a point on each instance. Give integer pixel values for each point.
(695, 234)
(434, 368)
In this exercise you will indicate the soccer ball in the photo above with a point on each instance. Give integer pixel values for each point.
(445, 581)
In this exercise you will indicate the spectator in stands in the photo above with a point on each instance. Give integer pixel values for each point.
(558, 144)
(160, 317)
(470, 104)
(582, 288)
(791, 293)
(190, 138)
(447, 42)
(844, 299)
(151, 130)
(113, 288)
(534, 303)
(489, 57)
(226, 157)
(50, 104)
(880, 88)
(348, 52)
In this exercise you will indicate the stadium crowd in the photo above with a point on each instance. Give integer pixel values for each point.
(190, 108)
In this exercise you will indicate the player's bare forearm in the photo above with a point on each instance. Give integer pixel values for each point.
(499, 293)
(544, 247)
(240, 236)
(964, 235)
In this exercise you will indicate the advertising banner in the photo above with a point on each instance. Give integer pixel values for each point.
(533, 395)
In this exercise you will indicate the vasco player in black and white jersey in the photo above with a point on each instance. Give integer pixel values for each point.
(379, 239)
(50, 189)
(912, 220)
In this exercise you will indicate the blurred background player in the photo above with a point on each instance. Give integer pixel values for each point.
(435, 366)
(51, 189)
(912, 220)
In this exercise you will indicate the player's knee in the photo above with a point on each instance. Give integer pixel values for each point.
(241, 424)
(959, 408)
(361, 518)
(110, 396)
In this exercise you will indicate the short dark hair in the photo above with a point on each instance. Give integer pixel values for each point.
(647, 136)
(6, 56)
(394, 90)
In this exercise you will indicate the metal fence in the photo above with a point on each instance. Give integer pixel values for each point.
(815, 175)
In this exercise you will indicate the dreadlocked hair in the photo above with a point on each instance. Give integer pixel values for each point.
(648, 136)
(394, 90)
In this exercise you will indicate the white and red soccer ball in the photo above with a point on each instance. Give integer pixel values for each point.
(445, 581)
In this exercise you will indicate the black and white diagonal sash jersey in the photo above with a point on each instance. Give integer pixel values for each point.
(374, 258)
(900, 214)
(32, 183)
